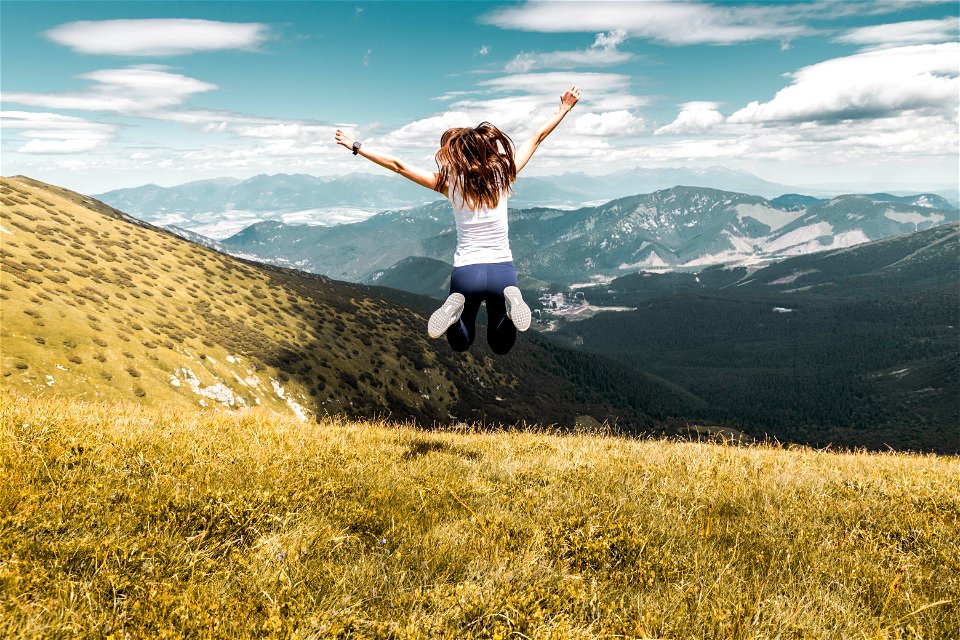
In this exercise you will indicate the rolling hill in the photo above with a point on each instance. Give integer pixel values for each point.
(99, 305)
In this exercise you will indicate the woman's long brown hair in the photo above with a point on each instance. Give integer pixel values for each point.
(479, 162)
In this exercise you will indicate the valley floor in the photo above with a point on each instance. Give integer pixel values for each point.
(127, 522)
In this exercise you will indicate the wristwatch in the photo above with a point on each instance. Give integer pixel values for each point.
(356, 147)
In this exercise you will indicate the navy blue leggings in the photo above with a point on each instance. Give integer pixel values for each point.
(483, 283)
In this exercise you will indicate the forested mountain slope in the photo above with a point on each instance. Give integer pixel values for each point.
(857, 346)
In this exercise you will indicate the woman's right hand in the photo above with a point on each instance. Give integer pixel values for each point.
(569, 98)
(345, 138)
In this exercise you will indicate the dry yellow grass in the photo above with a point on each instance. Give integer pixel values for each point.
(126, 521)
(99, 307)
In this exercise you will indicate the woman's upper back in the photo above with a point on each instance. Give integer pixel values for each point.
(477, 171)
(482, 233)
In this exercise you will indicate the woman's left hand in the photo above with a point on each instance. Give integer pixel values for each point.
(345, 138)
(569, 98)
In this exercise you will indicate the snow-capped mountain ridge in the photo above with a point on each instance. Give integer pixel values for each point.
(684, 228)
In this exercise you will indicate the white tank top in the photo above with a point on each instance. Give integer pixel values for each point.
(482, 234)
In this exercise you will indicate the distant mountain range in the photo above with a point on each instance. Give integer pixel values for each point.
(220, 207)
(678, 228)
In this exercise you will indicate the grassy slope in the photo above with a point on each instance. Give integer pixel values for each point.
(98, 305)
(95, 307)
(123, 519)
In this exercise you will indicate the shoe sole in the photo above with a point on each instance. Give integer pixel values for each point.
(446, 315)
(517, 309)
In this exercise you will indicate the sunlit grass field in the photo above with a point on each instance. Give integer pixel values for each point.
(123, 521)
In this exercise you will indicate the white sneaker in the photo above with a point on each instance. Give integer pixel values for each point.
(446, 315)
(517, 309)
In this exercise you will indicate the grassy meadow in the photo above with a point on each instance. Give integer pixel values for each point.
(128, 521)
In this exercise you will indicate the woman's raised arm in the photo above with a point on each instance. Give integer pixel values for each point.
(525, 151)
(422, 177)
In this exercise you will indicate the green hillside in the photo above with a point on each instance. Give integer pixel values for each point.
(426, 276)
(855, 347)
(430, 277)
(118, 520)
(97, 305)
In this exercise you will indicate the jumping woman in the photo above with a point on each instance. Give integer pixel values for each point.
(476, 170)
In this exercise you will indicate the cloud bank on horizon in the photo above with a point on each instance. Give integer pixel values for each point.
(98, 96)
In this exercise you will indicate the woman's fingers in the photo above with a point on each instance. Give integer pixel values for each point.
(570, 97)
(342, 138)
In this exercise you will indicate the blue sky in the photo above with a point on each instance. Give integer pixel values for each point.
(97, 96)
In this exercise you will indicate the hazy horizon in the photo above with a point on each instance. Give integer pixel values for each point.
(837, 187)
(827, 186)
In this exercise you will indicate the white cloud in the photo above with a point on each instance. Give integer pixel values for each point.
(694, 117)
(814, 149)
(602, 91)
(602, 53)
(885, 108)
(557, 82)
(484, 50)
(523, 61)
(245, 126)
(610, 40)
(271, 130)
(519, 103)
(866, 85)
(157, 36)
(428, 130)
(904, 33)
(60, 146)
(149, 91)
(675, 23)
(128, 90)
(610, 123)
(56, 133)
